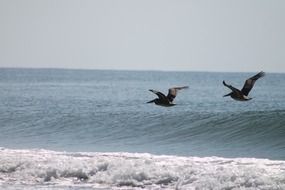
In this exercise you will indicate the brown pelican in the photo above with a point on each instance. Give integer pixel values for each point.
(163, 100)
(242, 95)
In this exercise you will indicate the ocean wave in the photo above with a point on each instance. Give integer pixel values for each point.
(233, 125)
(38, 168)
(231, 134)
(257, 134)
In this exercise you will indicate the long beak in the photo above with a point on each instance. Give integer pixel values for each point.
(227, 94)
(151, 101)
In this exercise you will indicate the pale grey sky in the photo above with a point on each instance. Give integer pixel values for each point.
(192, 35)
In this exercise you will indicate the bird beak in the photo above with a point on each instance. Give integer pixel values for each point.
(227, 95)
(151, 101)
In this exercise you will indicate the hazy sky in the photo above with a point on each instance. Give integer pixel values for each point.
(192, 35)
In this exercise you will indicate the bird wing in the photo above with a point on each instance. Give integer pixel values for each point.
(250, 82)
(172, 92)
(159, 94)
(231, 87)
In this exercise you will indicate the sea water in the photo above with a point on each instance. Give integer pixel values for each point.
(91, 129)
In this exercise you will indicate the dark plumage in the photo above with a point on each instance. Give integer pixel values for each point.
(163, 100)
(242, 95)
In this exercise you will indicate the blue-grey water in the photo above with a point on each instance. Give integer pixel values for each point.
(106, 111)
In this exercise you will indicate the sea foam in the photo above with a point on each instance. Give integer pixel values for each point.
(44, 169)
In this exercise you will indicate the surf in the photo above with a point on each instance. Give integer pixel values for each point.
(29, 168)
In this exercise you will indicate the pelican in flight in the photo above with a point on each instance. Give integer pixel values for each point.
(242, 95)
(166, 101)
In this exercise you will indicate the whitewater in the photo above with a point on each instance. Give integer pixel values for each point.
(38, 168)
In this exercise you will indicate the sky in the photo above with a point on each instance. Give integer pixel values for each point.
(176, 35)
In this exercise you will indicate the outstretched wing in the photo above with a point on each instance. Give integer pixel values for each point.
(159, 94)
(231, 87)
(250, 82)
(172, 92)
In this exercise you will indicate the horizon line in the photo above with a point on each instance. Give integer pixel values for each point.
(134, 70)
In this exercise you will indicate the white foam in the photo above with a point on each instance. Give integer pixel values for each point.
(62, 170)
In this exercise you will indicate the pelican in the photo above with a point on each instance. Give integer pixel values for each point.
(242, 95)
(166, 101)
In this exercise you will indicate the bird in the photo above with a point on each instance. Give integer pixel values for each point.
(166, 101)
(242, 95)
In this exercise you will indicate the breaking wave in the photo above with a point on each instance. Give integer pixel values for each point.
(38, 168)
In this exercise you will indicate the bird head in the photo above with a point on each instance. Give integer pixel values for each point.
(247, 98)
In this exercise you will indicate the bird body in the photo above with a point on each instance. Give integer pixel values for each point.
(238, 96)
(163, 100)
(242, 95)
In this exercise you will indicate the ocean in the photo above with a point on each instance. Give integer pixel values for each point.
(92, 129)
